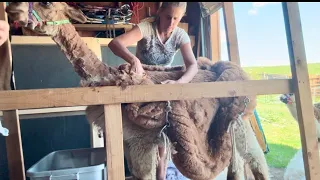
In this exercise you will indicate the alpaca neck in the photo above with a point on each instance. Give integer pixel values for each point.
(84, 61)
(293, 111)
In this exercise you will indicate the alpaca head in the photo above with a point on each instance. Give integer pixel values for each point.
(287, 98)
(43, 17)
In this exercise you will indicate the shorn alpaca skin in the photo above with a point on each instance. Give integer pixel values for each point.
(199, 128)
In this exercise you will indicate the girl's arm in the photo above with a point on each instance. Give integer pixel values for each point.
(190, 63)
(119, 47)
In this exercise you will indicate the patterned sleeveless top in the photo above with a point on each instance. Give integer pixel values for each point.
(150, 49)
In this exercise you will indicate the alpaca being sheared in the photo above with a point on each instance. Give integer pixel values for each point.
(199, 128)
(295, 168)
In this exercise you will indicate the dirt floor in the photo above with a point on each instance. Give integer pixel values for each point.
(276, 173)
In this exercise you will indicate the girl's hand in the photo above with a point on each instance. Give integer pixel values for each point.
(4, 31)
(171, 82)
(136, 67)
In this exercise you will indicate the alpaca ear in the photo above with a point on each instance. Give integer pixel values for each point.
(75, 14)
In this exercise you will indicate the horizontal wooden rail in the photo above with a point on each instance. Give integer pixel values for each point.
(46, 40)
(50, 112)
(83, 96)
(101, 27)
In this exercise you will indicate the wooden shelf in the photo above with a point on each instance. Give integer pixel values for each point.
(50, 112)
(102, 27)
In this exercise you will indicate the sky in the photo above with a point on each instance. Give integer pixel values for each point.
(261, 33)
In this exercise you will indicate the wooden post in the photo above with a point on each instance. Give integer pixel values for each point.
(114, 141)
(95, 46)
(233, 53)
(5, 61)
(300, 78)
(10, 118)
(215, 36)
(231, 32)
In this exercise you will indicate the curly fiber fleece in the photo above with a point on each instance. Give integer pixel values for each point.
(198, 128)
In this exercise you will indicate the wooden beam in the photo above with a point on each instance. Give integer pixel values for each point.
(94, 45)
(14, 145)
(231, 32)
(61, 97)
(101, 27)
(46, 40)
(50, 112)
(5, 58)
(10, 118)
(114, 141)
(303, 98)
(215, 36)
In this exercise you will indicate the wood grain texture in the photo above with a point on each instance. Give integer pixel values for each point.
(303, 98)
(231, 32)
(61, 97)
(114, 141)
(10, 118)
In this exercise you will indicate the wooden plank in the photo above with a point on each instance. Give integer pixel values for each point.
(192, 40)
(46, 40)
(10, 118)
(215, 36)
(300, 78)
(199, 41)
(101, 27)
(61, 97)
(14, 145)
(50, 112)
(114, 141)
(184, 26)
(231, 32)
(5, 58)
(95, 141)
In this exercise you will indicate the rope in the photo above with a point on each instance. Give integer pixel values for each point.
(166, 144)
(234, 148)
(162, 131)
(234, 123)
(168, 110)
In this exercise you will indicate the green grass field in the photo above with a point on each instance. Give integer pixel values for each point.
(281, 130)
(313, 68)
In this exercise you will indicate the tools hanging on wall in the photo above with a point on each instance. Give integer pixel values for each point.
(100, 14)
(110, 25)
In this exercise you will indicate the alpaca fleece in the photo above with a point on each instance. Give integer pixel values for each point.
(198, 128)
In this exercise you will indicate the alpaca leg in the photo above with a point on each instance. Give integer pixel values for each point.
(142, 159)
(255, 156)
(127, 155)
(236, 168)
